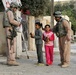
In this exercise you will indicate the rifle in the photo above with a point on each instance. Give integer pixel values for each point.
(12, 36)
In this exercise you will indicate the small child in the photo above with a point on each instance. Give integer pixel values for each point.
(48, 37)
(38, 42)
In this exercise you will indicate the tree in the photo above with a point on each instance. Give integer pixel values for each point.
(58, 6)
(68, 9)
(1, 7)
(37, 7)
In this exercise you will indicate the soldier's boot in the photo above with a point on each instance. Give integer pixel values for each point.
(12, 63)
(9, 63)
(15, 63)
(65, 65)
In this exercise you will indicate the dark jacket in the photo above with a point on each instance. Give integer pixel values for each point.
(38, 36)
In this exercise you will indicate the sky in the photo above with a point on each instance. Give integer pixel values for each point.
(61, 0)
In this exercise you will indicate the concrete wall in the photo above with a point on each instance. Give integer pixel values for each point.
(31, 41)
(2, 36)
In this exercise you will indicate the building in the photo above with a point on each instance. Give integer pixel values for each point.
(61, 0)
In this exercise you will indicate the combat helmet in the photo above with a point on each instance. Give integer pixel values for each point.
(57, 14)
(13, 5)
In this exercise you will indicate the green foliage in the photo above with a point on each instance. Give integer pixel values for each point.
(37, 7)
(48, 10)
(58, 6)
(68, 9)
(1, 7)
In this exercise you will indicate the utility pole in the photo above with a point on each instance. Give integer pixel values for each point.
(52, 10)
(52, 21)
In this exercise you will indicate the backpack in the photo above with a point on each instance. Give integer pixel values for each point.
(6, 22)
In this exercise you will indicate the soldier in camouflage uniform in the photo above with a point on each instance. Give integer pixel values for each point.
(63, 32)
(11, 39)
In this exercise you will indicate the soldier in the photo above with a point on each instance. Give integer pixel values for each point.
(24, 14)
(63, 32)
(9, 26)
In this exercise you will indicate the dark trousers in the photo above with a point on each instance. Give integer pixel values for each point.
(39, 53)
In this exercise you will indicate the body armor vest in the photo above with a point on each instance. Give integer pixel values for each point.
(6, 22)
(60, 29)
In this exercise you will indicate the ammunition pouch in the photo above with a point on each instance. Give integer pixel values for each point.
(59, 34)
(59, 29)
(13, 34)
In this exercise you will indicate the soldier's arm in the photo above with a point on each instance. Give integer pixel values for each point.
(11, 19)
(68, 28)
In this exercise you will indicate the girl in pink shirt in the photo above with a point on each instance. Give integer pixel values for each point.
(48, 37)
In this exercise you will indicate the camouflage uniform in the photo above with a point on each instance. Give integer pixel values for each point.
(64, 35)
(11, 47)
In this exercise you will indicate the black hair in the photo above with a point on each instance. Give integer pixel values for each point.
(39, 24)
(47, 25)
(24, 9)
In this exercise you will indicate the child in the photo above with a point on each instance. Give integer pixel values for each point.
(38, 42)
(48, 38)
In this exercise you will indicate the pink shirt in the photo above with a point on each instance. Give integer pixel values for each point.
(50, 35)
